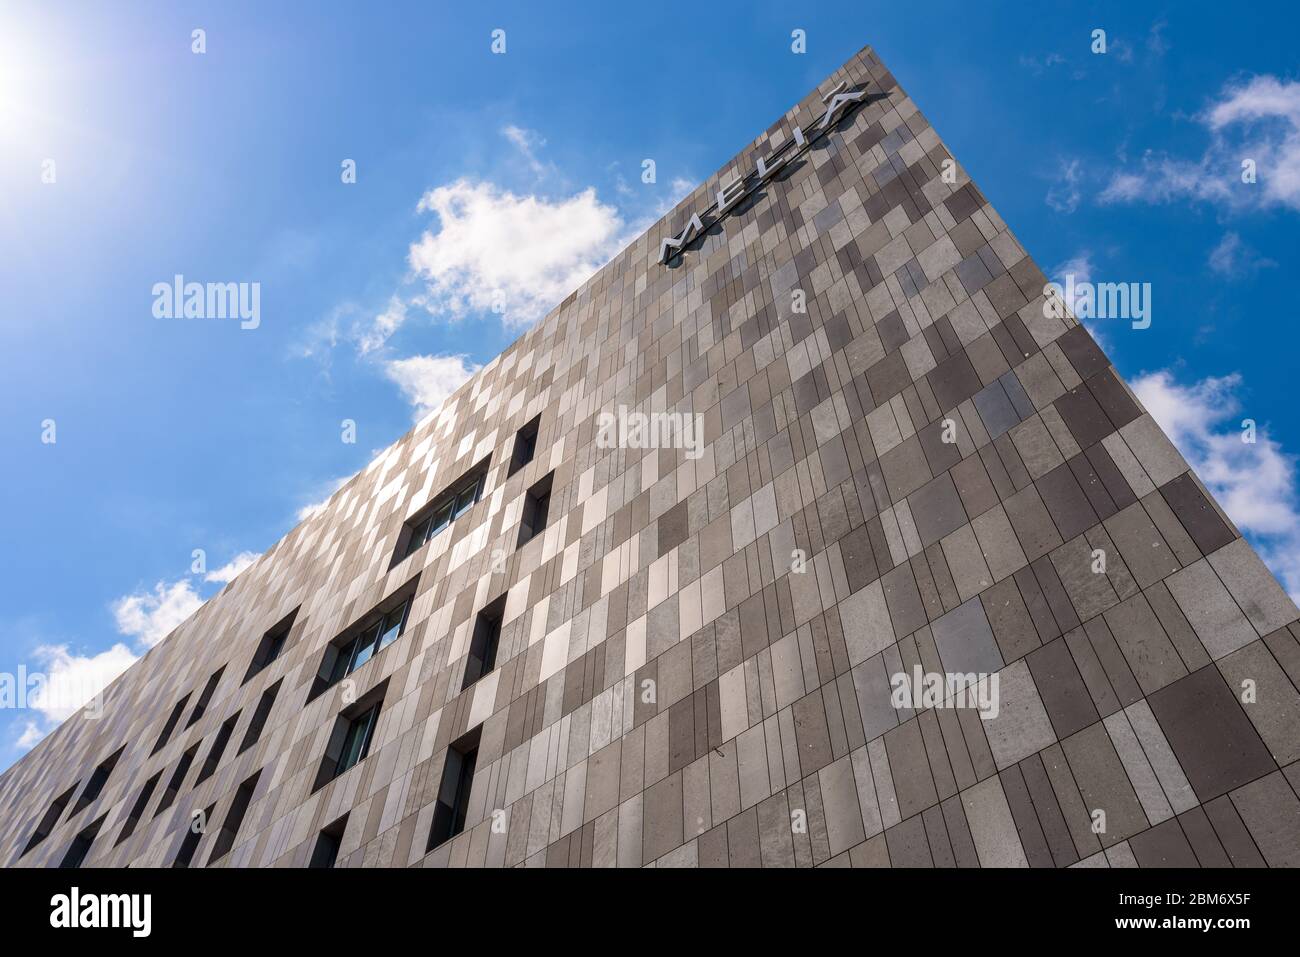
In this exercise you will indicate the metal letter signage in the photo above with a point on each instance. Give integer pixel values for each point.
(838, 100)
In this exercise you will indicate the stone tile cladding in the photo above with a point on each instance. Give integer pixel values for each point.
(668, 691)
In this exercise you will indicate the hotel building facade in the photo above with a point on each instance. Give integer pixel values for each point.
(507, 643)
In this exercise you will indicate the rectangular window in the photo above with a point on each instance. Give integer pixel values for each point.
(483, 645)
(80, 847)
(193, 834)
(95, 786)
(225, 839)
(537, 507)
(208, 689)
(525, 445)
(50, 818)
(453, 502)
(170, 726)
(350, 740)
(137, 810)
(271, 645)
(453, 793)
(326, 852)
(258, 722)
(218, 748)
(371, 635)
(177, 779)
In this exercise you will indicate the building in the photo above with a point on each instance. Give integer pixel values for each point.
(663, 582)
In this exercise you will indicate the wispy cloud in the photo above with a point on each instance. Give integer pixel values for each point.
(1064, 194)
(1234, 260)
(149, 616)
(1254, 482)
(516, 255)
(427, 381)
(227, 572)
(307, 511)
(1257, 121)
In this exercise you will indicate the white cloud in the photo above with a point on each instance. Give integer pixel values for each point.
(1233, 259)
(307, 511)
(1064, 194)
(528, 142)
(31, 734)
(1080, 267)
(227, 572)
(71, 680)
(375, 334)
(427, 381)
(1254, 482)
(1257, 120)
(523, 254)
(152, 616)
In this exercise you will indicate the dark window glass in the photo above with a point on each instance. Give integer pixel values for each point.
(95, 786)
(271, 646)
(137, 810)
(326, 851)
(375, 633)
(453, 794)
(208, 689)
(447, 507)
(441, 518)
(365, 647)
(356, 743)
(394, 624)
(225, 839)
(170, 725)
(177, 779)
(50, 818)
(467, 497)
(80, 847)
(218, 748)
(193, 834)
(537, 507)
(525, 446)
(483, 644)
(258, 722)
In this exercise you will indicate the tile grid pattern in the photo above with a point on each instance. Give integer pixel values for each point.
(948, 462)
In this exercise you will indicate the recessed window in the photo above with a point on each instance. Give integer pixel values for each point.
(177, 779)
(453, 794)
(234, 818)
(375, 632)
(326, 852)
(350, 740)
(193, 834)
(218, 748)
(431, 521)
(270, 647)
(137, 809)
(208, 689)
(525, 445)
(50, 818)
(80, 847)
(258, 722)
(170, 726)
(483, 643)
(537, 507)
(95, 786)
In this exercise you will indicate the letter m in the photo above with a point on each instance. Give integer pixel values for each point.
(673, 244)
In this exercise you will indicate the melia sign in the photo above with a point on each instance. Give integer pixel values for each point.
(837, 101)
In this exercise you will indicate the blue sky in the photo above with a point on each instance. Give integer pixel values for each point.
(487, 187)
